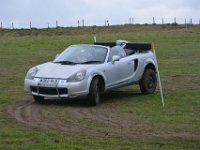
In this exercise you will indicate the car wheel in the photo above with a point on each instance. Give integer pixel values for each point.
(94, 93)
(148, 82)
(38, 99)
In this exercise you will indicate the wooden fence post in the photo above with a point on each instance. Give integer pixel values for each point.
(56, 23)
(83, 23)
(163, 21)
(1, 25)
(30, 25)
(190, 21)
(175, 20)
(132, 20)
(186, 24)
(154, 21)
(12, 25)
(108, 23)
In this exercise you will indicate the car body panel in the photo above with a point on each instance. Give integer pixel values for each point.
(125, 71)
(52, 70)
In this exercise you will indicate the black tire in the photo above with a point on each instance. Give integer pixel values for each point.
(148, 82)
(38, 99)
(94, 93)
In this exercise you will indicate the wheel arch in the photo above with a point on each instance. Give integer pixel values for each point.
(146, 64)
(102, 81)
(150, 66)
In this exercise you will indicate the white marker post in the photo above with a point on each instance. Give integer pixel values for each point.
(95, 39)
(158, 75)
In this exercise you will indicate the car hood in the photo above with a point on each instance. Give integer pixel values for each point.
(55, 70)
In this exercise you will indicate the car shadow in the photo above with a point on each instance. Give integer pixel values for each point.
(112, 96)
(118, 95)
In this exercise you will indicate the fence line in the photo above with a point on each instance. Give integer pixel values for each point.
(131, 21)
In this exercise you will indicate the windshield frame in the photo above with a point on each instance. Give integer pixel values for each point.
(82, 47)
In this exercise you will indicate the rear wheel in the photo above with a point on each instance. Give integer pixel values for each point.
(148, 82)
(94, 93)
(38, 99)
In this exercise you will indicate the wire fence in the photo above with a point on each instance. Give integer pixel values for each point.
(106, 22)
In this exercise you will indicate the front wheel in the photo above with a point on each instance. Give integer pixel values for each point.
(94, 93)
(38, 99)
(148, 82)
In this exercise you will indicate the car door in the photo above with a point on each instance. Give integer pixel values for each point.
(114, 73)
(119, 72)
(128, 65)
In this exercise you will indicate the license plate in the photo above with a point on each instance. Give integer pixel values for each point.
(48, 82)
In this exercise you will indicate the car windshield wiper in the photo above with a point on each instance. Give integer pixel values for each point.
(91, 62)
(66, 62)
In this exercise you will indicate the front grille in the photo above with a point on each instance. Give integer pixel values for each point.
(49, 90)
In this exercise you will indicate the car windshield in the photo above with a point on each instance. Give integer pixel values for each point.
(82, 54)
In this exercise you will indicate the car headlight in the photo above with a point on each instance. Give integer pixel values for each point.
(31, 73)
(79, 76)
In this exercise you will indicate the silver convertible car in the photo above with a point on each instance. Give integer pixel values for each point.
(89, 70)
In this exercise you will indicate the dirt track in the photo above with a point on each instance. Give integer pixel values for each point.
(106, 119)
(77, 117)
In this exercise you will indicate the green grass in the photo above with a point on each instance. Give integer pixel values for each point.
(178, 123)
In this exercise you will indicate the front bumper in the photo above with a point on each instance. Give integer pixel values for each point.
(64, 90)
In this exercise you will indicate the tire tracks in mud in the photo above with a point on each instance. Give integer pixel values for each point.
(102, 120)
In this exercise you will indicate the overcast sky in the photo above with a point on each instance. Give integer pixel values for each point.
(94, 12)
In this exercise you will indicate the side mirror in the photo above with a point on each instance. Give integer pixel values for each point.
(115, 58)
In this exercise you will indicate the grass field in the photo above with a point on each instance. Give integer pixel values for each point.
(125, 119)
